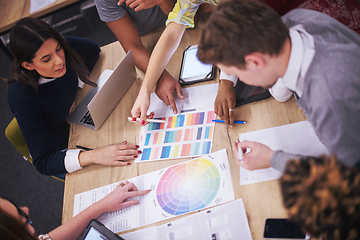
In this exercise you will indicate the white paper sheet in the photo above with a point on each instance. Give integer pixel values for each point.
(36, 5)
(225, 222)
(190, 186)
(200, 98)
(143, 234)
(296, 138)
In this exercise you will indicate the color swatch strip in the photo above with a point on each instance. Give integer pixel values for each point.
(174, 151)
(153, 138)
(210, 116)
(176, 121)
(172, 136)
(193, 134)
(195, 119)
(208, 132)
(156, 126)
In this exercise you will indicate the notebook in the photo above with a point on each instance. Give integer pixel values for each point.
(100, 101)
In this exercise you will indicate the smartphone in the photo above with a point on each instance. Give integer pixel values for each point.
(246, 94)
(192, 70)
(282, 228)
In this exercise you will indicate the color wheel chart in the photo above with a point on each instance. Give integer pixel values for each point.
(180, 136)
(188, 187)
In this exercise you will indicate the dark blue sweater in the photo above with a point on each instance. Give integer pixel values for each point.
(42, 116)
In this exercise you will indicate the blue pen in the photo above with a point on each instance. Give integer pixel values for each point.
(222, 121)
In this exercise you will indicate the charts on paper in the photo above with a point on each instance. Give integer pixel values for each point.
(180, 136)
(186, 187)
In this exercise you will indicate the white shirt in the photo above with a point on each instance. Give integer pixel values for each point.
(301, 56)
(71, 160)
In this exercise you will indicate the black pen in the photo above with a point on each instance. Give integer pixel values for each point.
(83, 148)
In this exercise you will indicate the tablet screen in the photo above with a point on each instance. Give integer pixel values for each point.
(192, 67)
(94, 234)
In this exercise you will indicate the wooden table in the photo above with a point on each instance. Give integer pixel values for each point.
(261, 200)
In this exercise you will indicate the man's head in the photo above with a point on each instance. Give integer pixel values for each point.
(246, 36)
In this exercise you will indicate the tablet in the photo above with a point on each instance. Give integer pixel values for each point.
(192, 70)
(97, 231)
(247, 94)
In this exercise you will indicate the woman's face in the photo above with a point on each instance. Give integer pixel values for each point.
(11, 209)
(49, 60)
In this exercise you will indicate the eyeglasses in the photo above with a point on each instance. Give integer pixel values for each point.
(21, 212)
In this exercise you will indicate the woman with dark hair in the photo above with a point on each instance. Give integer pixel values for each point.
(323, 196)
(42, 87)
(15, 223)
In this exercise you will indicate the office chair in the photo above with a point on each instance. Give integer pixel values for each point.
(13, 133)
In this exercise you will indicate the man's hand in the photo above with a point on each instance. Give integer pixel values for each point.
(258, 157)
(165, 89)
(224, 101)
(138, 5)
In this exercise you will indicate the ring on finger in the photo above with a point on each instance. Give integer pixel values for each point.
(231, 110)
(122, 184)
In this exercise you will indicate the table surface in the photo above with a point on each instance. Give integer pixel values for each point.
(11, 11)
(261, 200)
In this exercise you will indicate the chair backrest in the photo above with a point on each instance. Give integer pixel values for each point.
(13, 133)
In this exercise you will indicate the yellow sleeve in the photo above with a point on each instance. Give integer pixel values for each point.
(183, 13)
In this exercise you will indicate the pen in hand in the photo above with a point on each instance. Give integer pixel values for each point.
(83, 148)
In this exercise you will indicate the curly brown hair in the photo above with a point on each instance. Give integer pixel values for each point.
(323, 196)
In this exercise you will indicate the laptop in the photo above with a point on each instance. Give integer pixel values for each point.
(100, 101)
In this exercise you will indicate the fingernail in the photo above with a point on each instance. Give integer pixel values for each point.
(135, 156)
(143, 122)
(231, 126)
(124, 142)
(151, 117)
(128, 163)
(152, 113)
(137, 146)
(139, 152)
(134, 119)
(175, 112)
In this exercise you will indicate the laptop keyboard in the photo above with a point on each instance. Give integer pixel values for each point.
(87, 119)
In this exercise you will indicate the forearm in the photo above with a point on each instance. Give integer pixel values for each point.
(76, 226)
(164, 49)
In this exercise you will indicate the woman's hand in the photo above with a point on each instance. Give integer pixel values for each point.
(113, 155)
(258, 157)
(141, 106)
(116, 200)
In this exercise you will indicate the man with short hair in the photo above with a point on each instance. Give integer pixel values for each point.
(306, 53)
